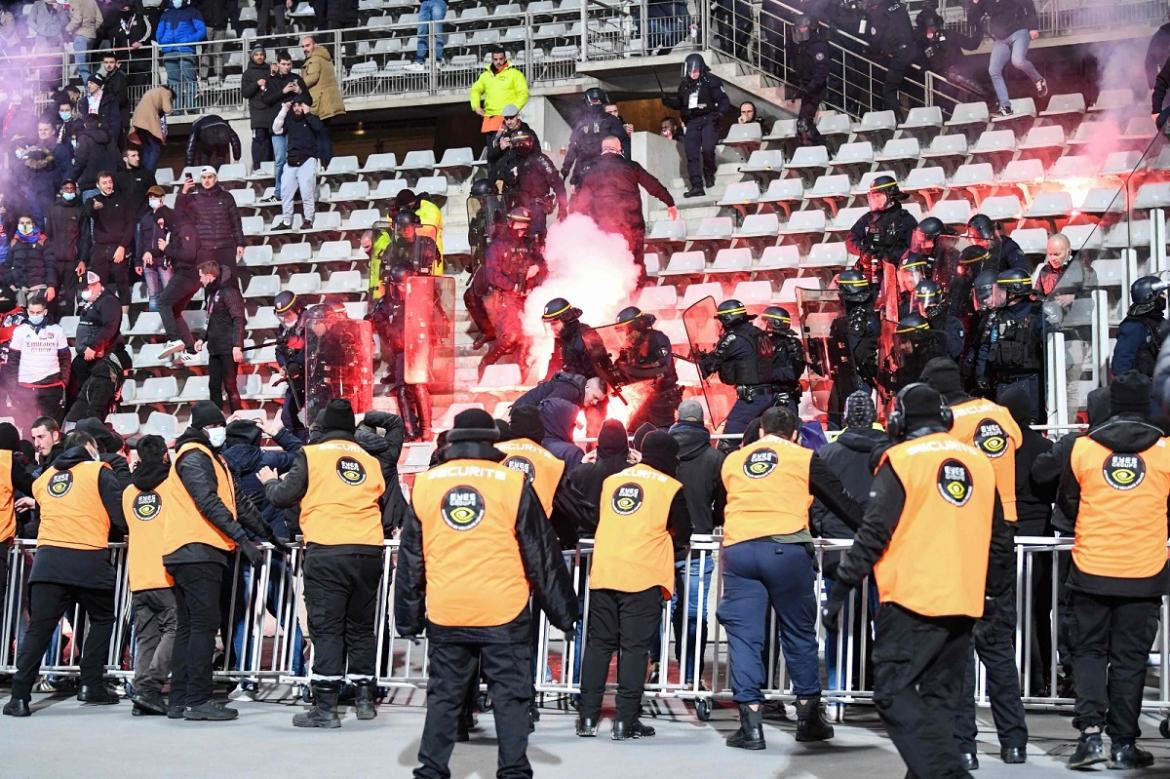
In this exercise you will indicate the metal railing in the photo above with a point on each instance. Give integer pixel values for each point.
(1065, 17)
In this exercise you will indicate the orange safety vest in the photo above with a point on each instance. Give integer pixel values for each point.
(72, 513)
(1121, 522)
(632, 549)
(7, 509)
(188, 525)
(767, 490)
(146, 513)
(989, 427)
(340, 505)
(541, 467)
(467, 510)
(936, 561)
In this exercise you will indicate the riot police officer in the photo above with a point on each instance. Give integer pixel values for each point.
(931, 305)
(496, 296)
(1012, 349)
(985, 296)
(943, 49)
(853, 342)
(743, 359)
(882, 236)
(926, 242)
(891, 37)
(812, 69)
(701, 101)
(1141, 332)
(912, 269)
(579, 349)
(531, 181)
(788, 360)
(591, 128)
(1005, 252)
(483, 212)
(647, 357)
(389, 318)
(290, 356)
(418, 251)
(915, 344)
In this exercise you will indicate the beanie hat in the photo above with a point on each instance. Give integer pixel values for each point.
(526, 423)
(504, 429)
(338, 415)
(474, 424)
(206, 414)
(1097, 406)
(245, 431)
(942, 374)
(690, 411)
(9, 436)
(1015, 400)
(660, 451)
(920, 405)
(859, 410)
(640, 434)
(612, 440)
(1129, 394)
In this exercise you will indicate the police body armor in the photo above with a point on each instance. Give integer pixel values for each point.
(1014, 349)
(863, 344)
(787, 357)
(1147, 355)
(747, 375)
(881, 244)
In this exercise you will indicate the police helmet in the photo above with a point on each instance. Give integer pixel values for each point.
(981, 226)
(984, 284)
(559, 308)
(854, 286)
(635, 318)
(927, 18)
(694, 62)
(523, 142)
(927, 292)
(405, 218)
(732, 312)
(803, 30)
(932, 227)
(973, 254)
(520, 214)
(887, 185)
(1014, 282)
(1145, 295)
(596, 96)
(778, 319)
(912, 324)
(915, 262)
(286, 301)
(399, 271)
(483, 188)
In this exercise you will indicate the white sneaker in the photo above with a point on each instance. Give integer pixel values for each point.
(183, 357)
(171, 348)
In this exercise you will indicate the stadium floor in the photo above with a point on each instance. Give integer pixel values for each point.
(99, 741)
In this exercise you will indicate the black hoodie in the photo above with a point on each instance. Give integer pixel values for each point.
(699, 467)
(1033, 505)
(89, 568)
(849, 457)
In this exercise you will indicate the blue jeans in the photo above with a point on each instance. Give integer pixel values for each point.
(280, 153)
(89, 194)
(81, 47)
(151, 151)
(683, 570)
(756, 573)
(431, 11)
(156, 277)
(181, 78)
(298, 644)
(1015, 48)
(850, 620)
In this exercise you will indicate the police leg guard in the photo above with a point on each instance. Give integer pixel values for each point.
(406, 411)
(751, 728)
(810, 721)
(324, 711)
(422, 400)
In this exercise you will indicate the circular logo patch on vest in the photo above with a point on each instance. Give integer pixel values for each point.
(991, 438)
(627, 499)
(954, 482)
(147, 506)
(351, 471)
(60, 484)
(522, 464)
(462, 507)
(1124, 471)
(760, 463)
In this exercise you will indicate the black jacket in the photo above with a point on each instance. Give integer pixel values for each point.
(151, 227)
(386, 446)
(93, 155)
(889, 30)
(1157, 52)
(530, 179)
(712, 99)
(197, 474)
(1033, 502)
(83, 567)
(211, 132)
(1161, 84)
(273, 93)
(1004, 16)
(699, 470)
(214, 12)
(302, 133)
(566, 386)
(497, 158)
(215, 216)
(849, 457)
(610, 193)
(100, 327)
(225, 315)
(260, 111)
(113, 223)
(108, 110)
(29, 265)
(63, 230)
(585, 142)
(551, 587)
(585, 482)
(132, 184)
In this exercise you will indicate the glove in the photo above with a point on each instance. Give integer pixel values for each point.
(376, 418)
(251, 552)
(279, 541)
(831, 613)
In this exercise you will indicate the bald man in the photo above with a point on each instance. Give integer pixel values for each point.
(1061, 279)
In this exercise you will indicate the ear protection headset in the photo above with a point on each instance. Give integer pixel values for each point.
(896, 423)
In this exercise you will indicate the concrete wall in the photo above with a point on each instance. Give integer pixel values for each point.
(553, 129)
(661, 158)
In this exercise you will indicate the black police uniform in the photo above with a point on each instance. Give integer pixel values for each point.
(853, 348)
(290, 355)
(499, 159)
(504, 280)
(892, 37)
(944, 55)
(1139, 338)
(743, 359)
(594, 126)
(422, 254)
(532, 181)
(650, 359)
(880, 237)
(1011, 352)
(701, 102)
(414, 400)
(788, 364)
(926, 345)
(812, 69)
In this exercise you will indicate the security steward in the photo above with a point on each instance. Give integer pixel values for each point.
(290, 357)
(1012, 348)
(648, 359)
(743, 359)
(1140, 334)
(544, 470)
(931, 540)
(591, 128)
(475, 548)
(643, 520)
(1115, 488)
(14, 478)
(767, 558)
(812, 69)
(146, 504)
(788, 360)
(701, 101)
(198, 541)
(988, 427)
(531, 181)
(853, 342)
(880, 237)
(80, 498)
(340, 491)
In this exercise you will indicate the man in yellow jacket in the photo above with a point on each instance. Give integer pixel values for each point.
(499, 85)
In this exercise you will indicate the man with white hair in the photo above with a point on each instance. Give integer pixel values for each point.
(1060, 280)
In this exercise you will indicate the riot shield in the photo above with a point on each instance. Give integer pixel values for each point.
(703, 332)
(429, 335)
(818, 310)
(483, 214)
(339, 360)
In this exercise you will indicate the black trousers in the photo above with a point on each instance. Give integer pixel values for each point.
(29, 403)
(48, 602)
(900, 62)
(1111, 639)
(624, 622)
(261, 146)
(918, 673)
(221, 380)
(508, 671)
(478, 312)
(994, 638)
(197, 596)
(700, 139)
(341, 591)
(171, 304)
(810, 101)
(113, 274)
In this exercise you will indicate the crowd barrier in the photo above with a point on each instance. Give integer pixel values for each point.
(264, 620)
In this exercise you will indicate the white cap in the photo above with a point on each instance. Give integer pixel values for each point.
(92, 278)
(207, 170)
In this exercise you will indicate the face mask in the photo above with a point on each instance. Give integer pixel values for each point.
(65, 115)
(68, 196)
(177, 3)
(36, 320)
(216, 435)
(154, 203)
(24, 229)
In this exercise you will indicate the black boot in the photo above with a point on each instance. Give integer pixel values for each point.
(810, 721)
(696, 190)
(586, 727)
(1125, 755)
(422, 396)
(209, 712)
(363, 701)
(751, 729)
(969, 761)
(149, 702)
(97, 694)
(622, 731)
(17, 707)
(324, 711)
(1089, 751)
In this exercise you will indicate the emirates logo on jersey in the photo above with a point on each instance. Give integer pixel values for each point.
(627, 499)
(954, 483)
(522, 464)
(351, 471)
(1124, 471)
(462, 507)
(147, 506)
(991, 438)
(60, 484)
(760, 463)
